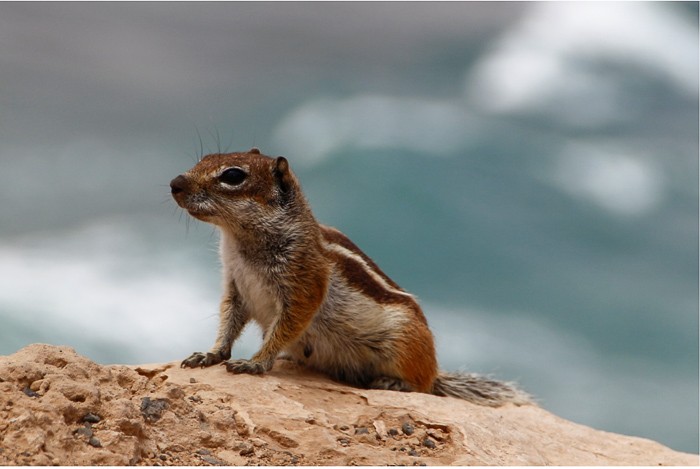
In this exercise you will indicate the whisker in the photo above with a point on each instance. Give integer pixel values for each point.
(201, 144)
(192, 156)
(211, 235)
(218, 140)
(230, 143)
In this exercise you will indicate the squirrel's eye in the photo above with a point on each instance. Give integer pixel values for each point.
(233, 176)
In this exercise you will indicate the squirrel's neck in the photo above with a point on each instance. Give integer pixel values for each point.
(275, 238)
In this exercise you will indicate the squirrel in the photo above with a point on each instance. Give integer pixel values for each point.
(318, 298)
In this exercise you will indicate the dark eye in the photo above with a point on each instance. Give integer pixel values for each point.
(233, 176)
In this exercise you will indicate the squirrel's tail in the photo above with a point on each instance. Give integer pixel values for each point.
(479, 389)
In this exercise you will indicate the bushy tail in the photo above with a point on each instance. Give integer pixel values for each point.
(479, 389)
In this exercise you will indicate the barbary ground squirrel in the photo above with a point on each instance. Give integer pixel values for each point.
(318, 298)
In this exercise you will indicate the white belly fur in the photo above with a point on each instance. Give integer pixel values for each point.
(257, 295)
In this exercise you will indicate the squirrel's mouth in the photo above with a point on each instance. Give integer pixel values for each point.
(200, 213)
(196, 205)
(199, 210)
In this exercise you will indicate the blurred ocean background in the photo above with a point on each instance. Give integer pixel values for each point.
(528, 170)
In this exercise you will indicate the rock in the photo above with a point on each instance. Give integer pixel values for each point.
(152, 410)
(380, 428)
(83, 431)
(213, 461)
(428, 443)
(164, 414)
(91, 418)
(247, 450)
(29, 392)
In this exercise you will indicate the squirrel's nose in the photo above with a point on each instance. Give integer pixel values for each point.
(179, 184)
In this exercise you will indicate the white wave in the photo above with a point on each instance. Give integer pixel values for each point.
(548, 61)
(616, 179)
(321, 126)
(101, 284)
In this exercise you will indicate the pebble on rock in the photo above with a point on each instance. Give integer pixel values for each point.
(247, 451)
(86, 431)
(152, 409)
(30, 393)
(91, 418)
(428, 443)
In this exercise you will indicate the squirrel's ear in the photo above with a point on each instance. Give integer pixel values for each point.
(255, 150)
(281, 173)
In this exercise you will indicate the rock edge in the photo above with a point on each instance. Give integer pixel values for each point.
(59, 408)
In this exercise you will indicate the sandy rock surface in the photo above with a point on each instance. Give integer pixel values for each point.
(57, 407)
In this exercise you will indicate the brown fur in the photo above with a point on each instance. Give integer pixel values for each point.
(317, 296)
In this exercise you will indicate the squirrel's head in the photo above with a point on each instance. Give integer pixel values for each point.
(236, 189)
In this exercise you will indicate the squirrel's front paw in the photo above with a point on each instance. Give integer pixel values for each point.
(199, 359)
(250, 367)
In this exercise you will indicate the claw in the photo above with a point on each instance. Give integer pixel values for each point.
(245, 366)
(199, 359)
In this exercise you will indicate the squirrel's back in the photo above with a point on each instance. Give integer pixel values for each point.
(368, 331)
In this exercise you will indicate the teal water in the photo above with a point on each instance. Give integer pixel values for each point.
(532, 176)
